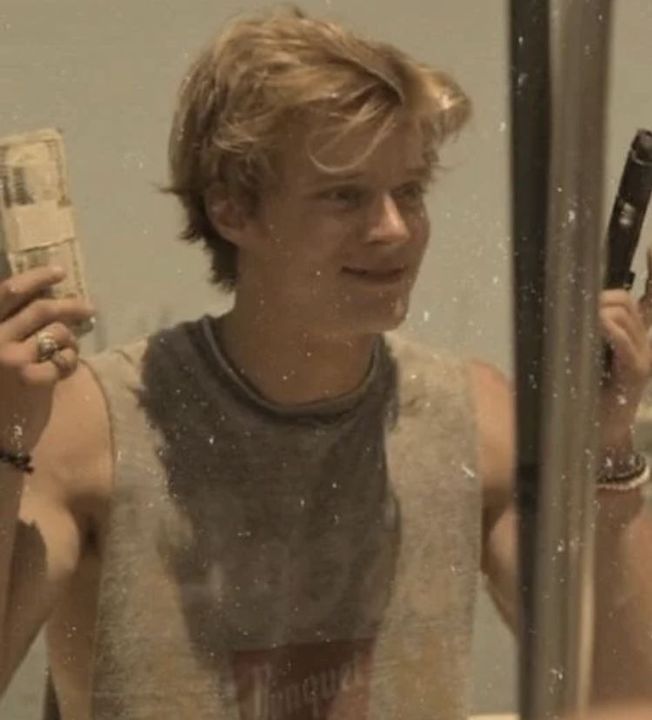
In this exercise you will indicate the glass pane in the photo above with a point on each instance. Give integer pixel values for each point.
(227, 576)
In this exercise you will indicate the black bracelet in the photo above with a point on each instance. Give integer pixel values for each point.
(20, 460)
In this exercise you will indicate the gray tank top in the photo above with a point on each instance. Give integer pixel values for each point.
(266, 563)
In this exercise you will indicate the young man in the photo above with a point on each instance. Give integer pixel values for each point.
(281, 512)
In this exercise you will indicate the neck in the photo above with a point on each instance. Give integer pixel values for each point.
(288, 364)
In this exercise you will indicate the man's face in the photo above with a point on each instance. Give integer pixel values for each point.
(338, 255)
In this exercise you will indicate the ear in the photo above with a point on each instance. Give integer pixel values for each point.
(227, 216)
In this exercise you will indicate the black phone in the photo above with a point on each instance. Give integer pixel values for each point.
(626, 222)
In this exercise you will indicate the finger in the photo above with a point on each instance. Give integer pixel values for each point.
(619, 339)
(630, 322)
(17, 290)
(645, 301)
(622, 301)
(61, 366)
(39, 313)
(625, 300)
(17, 355)
(631, 362)
(65, 361)
(60, 333)
(609, 298)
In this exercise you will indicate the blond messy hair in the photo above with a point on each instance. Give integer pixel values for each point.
(264, 73)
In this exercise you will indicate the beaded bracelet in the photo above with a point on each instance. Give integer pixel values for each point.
(634, 474)
(20, 460)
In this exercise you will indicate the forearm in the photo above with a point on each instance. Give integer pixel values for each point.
(11, 484)
(623, 598)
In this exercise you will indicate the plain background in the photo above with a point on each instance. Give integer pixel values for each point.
(106, 74)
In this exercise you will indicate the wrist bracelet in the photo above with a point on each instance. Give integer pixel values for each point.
(19, 460)
(632, 475)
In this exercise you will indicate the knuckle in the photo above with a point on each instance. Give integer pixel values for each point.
(43, 311)
(10, 288)
(8, 292)
(630, 303)
(72, 360)
(68, 339)
(58, 329)
(619, 313)
(615, 296)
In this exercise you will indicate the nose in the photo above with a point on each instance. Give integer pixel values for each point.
(387, 222)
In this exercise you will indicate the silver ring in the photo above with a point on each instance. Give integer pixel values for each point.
(46, 346)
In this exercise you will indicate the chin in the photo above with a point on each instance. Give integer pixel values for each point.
(380, 320)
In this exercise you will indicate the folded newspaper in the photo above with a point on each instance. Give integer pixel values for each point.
(36, 214)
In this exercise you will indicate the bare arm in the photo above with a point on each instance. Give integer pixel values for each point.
(39, 553)
(10, 496)
(623, 578)
(39, 538)
(56, 513)
(622, 660)
(623, 599)
(494, 400)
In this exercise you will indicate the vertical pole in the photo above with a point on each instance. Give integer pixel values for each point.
(530, 136)
(557, 448)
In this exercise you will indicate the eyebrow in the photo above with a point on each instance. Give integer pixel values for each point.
(421, 172)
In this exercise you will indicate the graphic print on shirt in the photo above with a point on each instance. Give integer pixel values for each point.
(304, 682)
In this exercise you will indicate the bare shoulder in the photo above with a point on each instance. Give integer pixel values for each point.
(494, 398)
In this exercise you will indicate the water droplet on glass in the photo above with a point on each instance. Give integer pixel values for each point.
(557, 673)
(468, 471)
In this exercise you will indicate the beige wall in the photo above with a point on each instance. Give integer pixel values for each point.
(106, 74)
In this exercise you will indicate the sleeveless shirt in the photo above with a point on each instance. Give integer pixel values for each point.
(272, 563)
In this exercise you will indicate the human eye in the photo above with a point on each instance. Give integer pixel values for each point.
(412, 192)
(347, 196)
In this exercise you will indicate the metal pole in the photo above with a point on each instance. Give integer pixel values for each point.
(571, 370)
(557, 626)
(530, 110)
